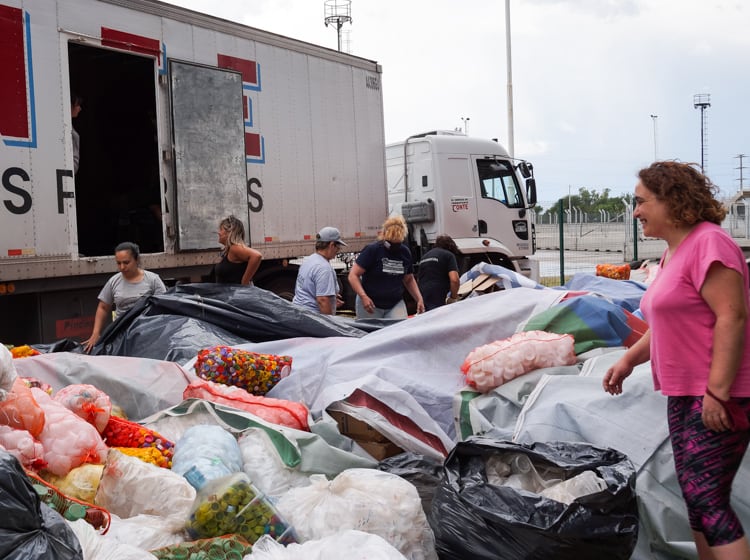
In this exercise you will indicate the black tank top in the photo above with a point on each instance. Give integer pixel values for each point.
(228, 272)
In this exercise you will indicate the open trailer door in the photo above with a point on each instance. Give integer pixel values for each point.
(209, 151)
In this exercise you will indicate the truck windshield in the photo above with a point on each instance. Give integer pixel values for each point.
(498, 182)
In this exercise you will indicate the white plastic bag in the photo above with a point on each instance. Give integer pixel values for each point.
(367, 500)
(264, 467)
(95, 547)
(351, 545)
(205, 453)
(7, 372)
(588, 482)
(130, 487)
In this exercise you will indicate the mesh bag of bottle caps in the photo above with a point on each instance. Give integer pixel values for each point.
(70, 508)
(232, 505)
(125, 433)
(228, 547)
(256, 373)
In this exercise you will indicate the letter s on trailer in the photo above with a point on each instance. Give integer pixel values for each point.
(185, 119)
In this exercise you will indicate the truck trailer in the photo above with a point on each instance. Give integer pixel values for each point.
(185, 119)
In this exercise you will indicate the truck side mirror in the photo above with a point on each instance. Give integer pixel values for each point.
(531, 191)
(523, 167)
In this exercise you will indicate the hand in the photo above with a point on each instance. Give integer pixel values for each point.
(368, 304)
(420, 307)
(450, 300)
(714, 416)
(339, 301)
(612, 382)
(89, 343)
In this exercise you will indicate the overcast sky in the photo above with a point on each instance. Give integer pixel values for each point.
(587, 76)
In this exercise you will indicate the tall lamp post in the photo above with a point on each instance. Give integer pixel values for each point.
(466, 125)
(656, 153)
(511, 147)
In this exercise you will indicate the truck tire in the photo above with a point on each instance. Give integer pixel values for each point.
(281, 284)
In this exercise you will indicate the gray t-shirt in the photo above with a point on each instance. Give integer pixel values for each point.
(316, 277)
(124, 294)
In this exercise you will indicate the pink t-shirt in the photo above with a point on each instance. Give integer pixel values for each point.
(680, 320)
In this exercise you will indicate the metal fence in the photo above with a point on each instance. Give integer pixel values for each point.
(569, 240)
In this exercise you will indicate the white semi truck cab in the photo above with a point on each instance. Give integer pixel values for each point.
(446, 183)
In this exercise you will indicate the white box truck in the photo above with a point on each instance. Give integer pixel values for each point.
(185, 119)
(188, 118)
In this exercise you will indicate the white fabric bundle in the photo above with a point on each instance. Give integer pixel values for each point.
(352, 545)
(68, 440)
(368, 500)
(489, 366)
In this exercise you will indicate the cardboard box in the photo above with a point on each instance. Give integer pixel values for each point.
(481, 284)
(380, 451)
(356, 429)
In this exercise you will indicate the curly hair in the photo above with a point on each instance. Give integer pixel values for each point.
(688, 193)
(394, 229)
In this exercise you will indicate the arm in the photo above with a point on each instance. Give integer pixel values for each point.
(324, 304)
(724, 292)
(636, 354)
(102, 312)
(253, 258)
(454, 282)
(413, 289)
(356, 283)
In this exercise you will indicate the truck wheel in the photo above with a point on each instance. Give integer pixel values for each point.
(280, 284)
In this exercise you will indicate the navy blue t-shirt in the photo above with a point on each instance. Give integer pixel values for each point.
(385, 268)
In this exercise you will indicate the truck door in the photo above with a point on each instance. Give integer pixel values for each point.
(461, 208)
(500, 204)
(209, 152)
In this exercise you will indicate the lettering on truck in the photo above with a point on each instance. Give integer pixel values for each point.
(459, 203)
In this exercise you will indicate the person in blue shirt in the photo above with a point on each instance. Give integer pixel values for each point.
(317, 287)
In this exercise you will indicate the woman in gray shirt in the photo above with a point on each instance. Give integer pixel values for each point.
(124, 289)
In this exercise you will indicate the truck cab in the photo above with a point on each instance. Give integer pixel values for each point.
(469, 188)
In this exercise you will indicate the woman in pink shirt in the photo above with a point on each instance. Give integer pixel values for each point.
(697, 311)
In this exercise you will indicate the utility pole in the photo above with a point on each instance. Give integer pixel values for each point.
(742, 185)
(511, 147)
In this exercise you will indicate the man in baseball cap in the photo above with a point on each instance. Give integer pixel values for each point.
(317, 286)
(330, 234)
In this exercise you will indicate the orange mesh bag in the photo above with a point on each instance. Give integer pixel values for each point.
(285, 413)
(21, 411)
(125, 433)
(614, 271)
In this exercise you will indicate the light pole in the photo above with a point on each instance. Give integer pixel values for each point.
(466, 125)
(509, 70)
(656, 153)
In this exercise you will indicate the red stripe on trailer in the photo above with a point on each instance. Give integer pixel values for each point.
(130, 42)
(248, 68)
(14, 104)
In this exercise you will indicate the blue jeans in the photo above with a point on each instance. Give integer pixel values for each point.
(398, 311)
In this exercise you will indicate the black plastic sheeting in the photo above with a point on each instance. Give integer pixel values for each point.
(472, 518)
(29, 528)
(176, 325)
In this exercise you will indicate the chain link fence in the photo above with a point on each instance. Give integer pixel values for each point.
(569, 240)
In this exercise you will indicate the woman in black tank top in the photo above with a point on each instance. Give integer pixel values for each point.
(239, 263)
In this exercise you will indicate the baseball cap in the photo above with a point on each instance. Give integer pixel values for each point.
(330, 234)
